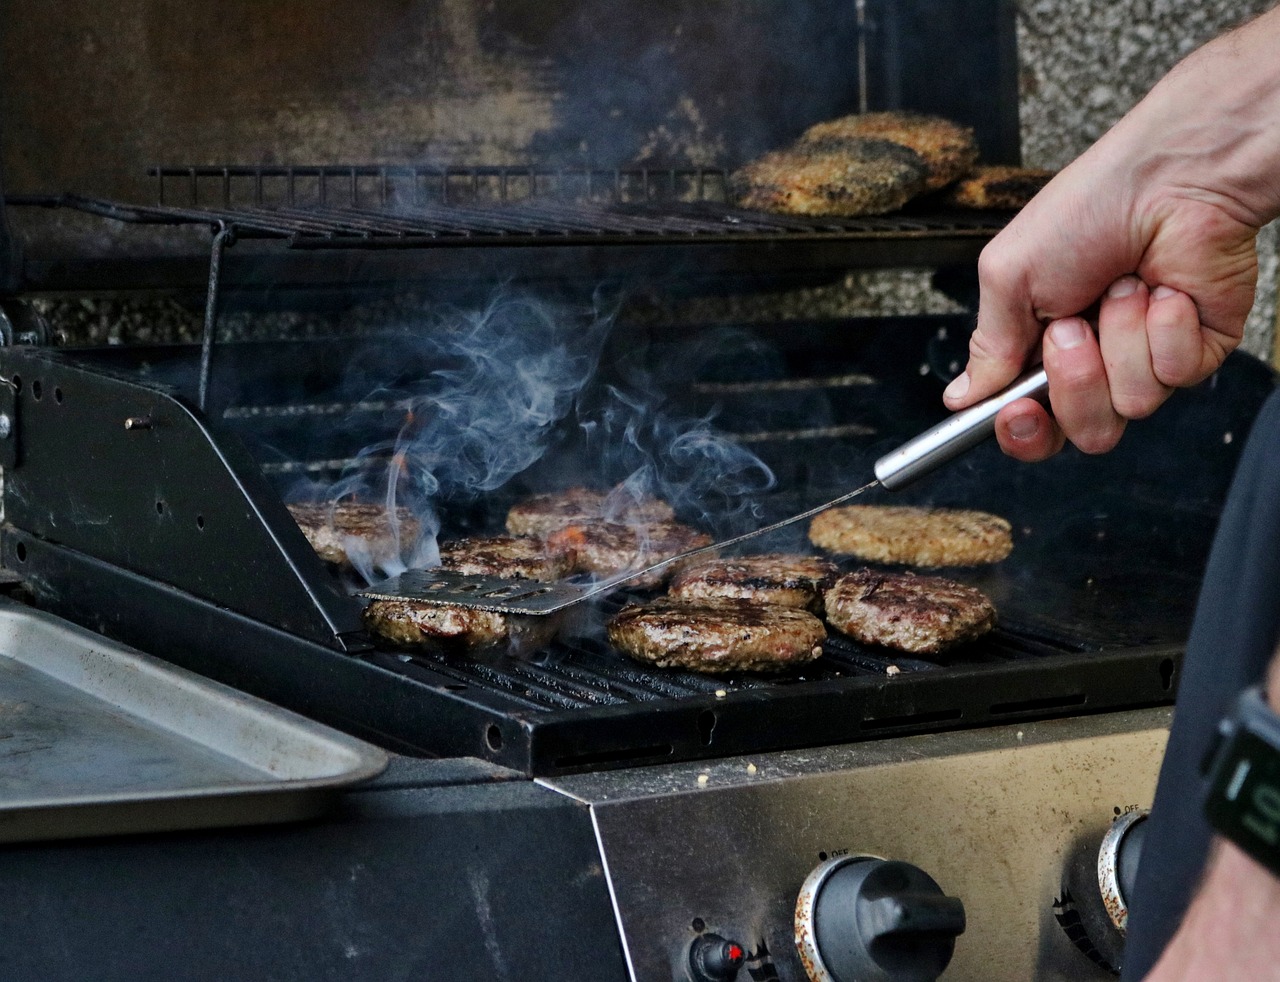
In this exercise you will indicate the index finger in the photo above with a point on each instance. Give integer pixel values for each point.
(1007, 333)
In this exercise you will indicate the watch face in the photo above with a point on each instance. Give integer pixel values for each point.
(1244, 800)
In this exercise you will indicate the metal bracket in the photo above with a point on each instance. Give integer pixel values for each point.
(20, 323)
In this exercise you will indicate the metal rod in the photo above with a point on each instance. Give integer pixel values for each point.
(224, 237)
(955, 434)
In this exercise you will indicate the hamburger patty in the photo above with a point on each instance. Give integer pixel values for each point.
(606, 548)
(330, 526)
(518, 557)
(948, 149)
(408, 623)
(834, 176)
(788, 580)
(717, 635)
(544, 513)
(998, 187)
(913, 536)
(917, 614)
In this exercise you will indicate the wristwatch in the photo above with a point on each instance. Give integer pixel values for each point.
(1243, 768)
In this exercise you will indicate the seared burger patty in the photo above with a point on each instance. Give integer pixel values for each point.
(948, 149)
(791, 581)
(998, 187)
(606, 548)
(918, 614)
(544, 513)
(717, 635)
(518, 557)
(329, 526)
(833, 176)
(913, 536)
(408, 623)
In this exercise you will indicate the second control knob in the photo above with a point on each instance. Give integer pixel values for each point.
(863, 919)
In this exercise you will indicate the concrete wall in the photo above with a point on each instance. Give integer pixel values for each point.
(1085, 63)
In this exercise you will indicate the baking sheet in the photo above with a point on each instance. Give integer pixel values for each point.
(99, 739)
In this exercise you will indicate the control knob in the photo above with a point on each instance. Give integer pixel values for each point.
(715, 959)
(1096, 884)
(864, 919)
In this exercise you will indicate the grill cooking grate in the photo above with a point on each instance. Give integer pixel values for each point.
(372, 207)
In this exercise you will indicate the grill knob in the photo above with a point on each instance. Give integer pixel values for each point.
(1096, 882)
(863, 919)
(715, 959)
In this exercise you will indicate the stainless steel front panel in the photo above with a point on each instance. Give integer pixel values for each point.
(989, 814)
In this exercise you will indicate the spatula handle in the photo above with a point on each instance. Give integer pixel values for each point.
(955, 434)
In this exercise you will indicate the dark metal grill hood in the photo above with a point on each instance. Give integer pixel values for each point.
(635, 111)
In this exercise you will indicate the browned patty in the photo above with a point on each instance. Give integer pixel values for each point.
(519, 557)
(998, 187)
(919, 614)
(720, 635)
(789, 580)
(606, 548)
(839, 177)
(408, 623)
(913, 536)
(545, 513)
(329, 526)
(948, 149)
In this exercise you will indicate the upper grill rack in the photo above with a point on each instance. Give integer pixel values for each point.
(406, 207)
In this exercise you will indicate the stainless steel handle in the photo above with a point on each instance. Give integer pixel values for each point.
(954, 435)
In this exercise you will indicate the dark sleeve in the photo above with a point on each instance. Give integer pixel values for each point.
(1237, 622)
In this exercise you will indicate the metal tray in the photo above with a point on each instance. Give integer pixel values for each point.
(99, 739)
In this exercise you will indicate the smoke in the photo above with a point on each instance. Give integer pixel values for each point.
(512, 396)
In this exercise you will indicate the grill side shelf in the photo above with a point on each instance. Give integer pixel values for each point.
(129, 473)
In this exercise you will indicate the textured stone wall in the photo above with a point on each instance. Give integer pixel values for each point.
(1085, 63)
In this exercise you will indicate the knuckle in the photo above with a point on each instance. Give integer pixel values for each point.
(1098, 439)
(1136, 405)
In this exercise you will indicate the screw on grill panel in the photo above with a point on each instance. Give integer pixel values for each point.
(6, 426)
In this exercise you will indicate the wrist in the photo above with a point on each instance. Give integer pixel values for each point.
(1208, 129)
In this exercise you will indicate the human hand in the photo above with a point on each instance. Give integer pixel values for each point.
(1155, 224)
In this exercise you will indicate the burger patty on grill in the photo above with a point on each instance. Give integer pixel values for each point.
(948, 149)
(998, 187)
(719, 635)
(518, 557)
(913, 536)
(788, 580)
(544, 513)
(918, 614)
(833, 176)
(330, 526)
(606, 548)
(408, 623)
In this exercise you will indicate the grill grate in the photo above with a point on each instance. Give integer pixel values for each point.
(373, 207)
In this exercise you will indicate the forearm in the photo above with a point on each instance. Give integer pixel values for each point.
(1211, 127)
(1230, 930)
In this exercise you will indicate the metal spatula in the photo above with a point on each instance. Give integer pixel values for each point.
(911, 461)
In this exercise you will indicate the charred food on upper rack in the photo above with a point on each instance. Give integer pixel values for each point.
(606, 548)
(997, 187)
(334, 528)
(913, 536)
(947, 149)
(917, 614)
(838, 177)
(520, 557)
(718, 635)
(544, 513)
(774, 578)
(407, 622)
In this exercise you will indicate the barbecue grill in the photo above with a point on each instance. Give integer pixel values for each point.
(566, 812)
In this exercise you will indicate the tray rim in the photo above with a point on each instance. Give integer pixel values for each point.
(272, 799)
